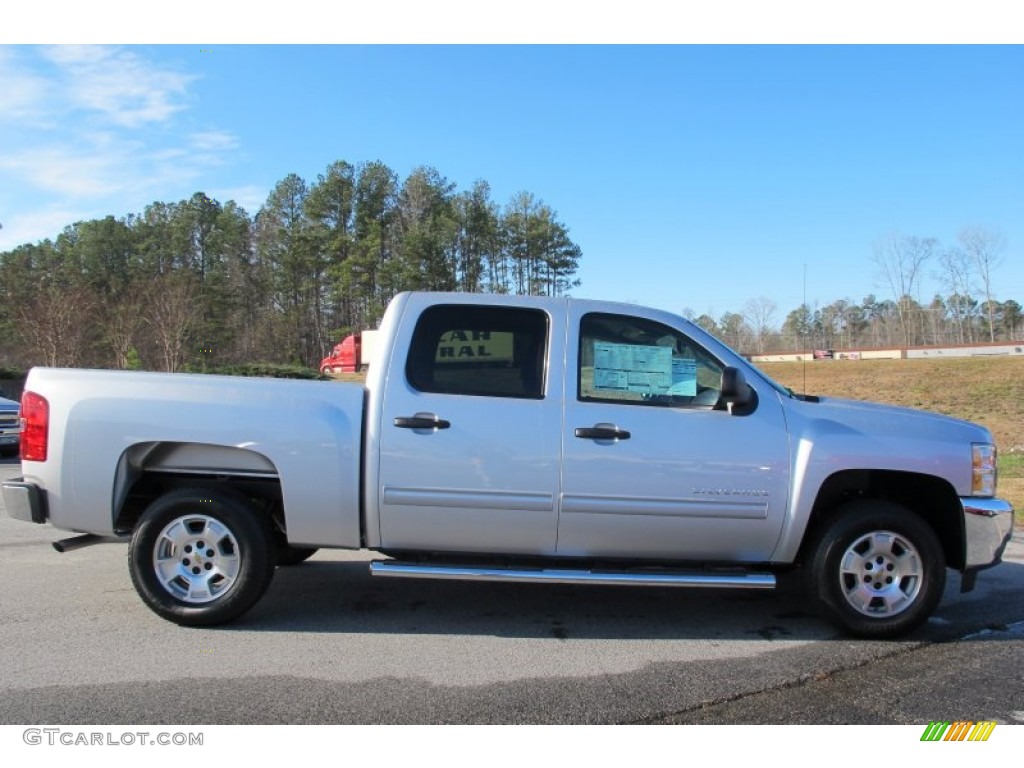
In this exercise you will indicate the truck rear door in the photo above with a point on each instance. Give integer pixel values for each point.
(471, 430)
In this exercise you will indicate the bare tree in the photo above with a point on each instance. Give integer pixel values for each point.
(956, 274)
(900, 260)
(735, 331)
(984, 248)
(759, 314)
(56, 324)
(172, 311)
(123, 326)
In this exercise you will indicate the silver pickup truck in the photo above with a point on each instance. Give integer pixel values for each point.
(515, 439)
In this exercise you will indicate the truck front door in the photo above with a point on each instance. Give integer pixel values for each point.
(470, 437)
(651, 467)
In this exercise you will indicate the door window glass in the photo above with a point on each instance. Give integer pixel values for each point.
(633, 360)
(472, 350)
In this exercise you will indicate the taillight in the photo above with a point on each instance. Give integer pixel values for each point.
(35, 427)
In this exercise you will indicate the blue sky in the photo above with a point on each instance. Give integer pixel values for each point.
(692, 176)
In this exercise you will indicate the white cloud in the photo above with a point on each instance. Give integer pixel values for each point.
(118, 84)
(90, 131)
(64, 171)
(103, 166)
(24, 92)
(37, 225)
(102, 176)
(214, 141)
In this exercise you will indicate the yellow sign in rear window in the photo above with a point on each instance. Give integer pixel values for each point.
(475, 346)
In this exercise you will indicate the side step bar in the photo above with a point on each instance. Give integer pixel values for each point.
(85, 540)
(725, 579)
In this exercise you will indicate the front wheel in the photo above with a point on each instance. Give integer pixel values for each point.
(200, 557)
(876, 569)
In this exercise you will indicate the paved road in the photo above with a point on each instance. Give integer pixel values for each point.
(329, 644)
(977, 678)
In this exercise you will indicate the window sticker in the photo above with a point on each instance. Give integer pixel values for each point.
(684, 377)
(634, 368)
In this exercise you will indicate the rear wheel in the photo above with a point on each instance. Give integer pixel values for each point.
(876, 569)
(200, 557)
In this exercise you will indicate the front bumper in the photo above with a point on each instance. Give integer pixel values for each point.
(988, 526)
(24, 501)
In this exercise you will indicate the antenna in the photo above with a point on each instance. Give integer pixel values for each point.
(803, 330)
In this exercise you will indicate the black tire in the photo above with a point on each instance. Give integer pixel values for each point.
(200, 557)
(875, 569)
(289, 555)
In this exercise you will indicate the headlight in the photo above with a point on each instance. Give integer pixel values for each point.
(983, 469)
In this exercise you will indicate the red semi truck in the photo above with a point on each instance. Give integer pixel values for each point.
(353, 354)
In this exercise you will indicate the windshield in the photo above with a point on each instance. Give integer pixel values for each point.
(696, 330)
(782, 390)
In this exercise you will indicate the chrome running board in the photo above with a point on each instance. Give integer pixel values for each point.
(721, 579)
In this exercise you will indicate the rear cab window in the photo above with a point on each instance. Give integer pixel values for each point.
(476, 350)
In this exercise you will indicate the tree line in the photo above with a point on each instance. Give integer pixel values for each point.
(201, 284)
(965, 312)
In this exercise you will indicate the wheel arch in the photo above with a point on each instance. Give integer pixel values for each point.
(931, 498)
(146, 471)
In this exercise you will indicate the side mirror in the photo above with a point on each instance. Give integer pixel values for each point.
(736, 395)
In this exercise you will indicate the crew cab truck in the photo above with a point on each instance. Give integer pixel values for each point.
(515, 439)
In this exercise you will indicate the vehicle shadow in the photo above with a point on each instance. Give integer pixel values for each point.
(325, 596)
